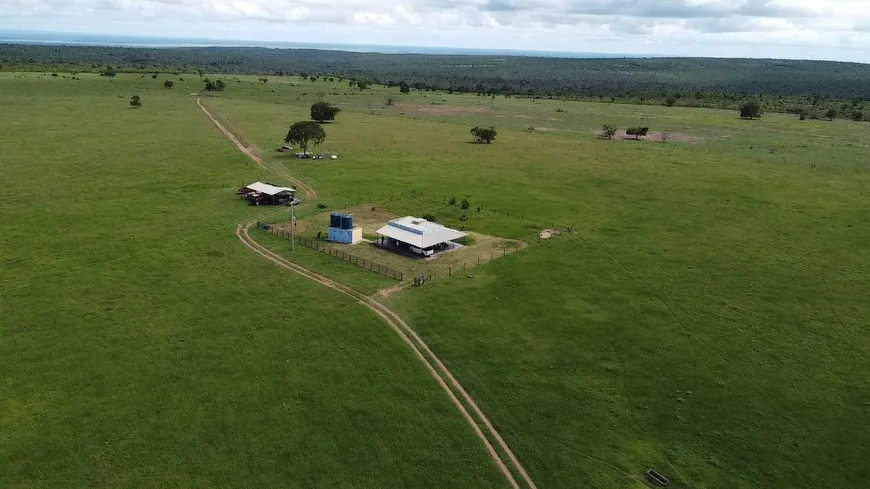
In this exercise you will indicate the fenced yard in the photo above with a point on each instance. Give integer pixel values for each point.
(330, 250)
(479, 249)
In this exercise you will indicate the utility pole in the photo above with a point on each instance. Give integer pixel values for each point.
(292, 228)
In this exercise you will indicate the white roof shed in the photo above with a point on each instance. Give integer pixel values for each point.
(268, 189)
(419, 232)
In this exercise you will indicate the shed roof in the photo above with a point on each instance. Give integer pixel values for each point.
(419, 232)
(268, 189)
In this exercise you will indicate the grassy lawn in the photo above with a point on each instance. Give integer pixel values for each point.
(141, 345)
(707, 318)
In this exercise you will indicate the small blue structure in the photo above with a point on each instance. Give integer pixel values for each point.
(341, 229)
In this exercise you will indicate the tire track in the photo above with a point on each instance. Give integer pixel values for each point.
(309, 192)
(434, 365)
(401, 328)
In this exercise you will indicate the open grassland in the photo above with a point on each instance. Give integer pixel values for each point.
(141, 345)
(707, 318)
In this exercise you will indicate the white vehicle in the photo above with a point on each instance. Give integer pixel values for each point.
(421, 251)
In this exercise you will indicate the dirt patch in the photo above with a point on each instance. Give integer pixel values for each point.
(549, 233)
(656, 137)
(441, 110)
(545, 129)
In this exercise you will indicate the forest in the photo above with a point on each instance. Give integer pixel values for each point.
(782, 85)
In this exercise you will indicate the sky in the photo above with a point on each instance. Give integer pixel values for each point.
(798, 29)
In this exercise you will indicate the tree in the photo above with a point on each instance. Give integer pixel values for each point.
(484, 134)
(305, 132)
(362, 85)
(135, 102)
(670, 101)
(216, 86)
(323, 111)
(389, 101)
(154, 76)
(404, 87)
(465, 204)
(750, 110)
(831, 114)
(857, 116)
(609, 130)
(637, 132)
(168, 84)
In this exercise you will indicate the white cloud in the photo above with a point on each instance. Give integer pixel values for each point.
(836, 29)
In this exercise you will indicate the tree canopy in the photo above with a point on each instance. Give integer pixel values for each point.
(323, 111)
(168, 84)
(609, 130)
(305, 133)
(637, 132)
(484, 134)
(216, 86)
(750, 110)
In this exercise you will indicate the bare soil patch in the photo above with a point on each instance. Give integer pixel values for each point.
(656, 137)
(549, 233)
(441, 110)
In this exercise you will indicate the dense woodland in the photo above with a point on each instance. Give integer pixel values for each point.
(810, 87)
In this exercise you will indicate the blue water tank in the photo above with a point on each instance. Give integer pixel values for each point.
(335, 220)
(347, 221)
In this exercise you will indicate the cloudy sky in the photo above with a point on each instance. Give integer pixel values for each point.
(811, 29)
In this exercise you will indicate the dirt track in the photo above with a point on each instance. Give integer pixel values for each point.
(309, 192)
(482, 427)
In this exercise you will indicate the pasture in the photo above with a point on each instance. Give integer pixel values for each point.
(705, 317)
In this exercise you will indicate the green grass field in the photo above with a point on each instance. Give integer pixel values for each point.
(705, 317)
(141, 345)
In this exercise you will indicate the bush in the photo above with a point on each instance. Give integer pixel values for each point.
(609, 130)
(750, 110)
(637, 132)
(465, 204)
(484, 134)
(430, 217)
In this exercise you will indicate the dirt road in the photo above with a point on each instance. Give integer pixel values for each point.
(481, 425)
(309, 192)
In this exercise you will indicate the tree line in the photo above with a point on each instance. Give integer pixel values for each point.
(779, 85)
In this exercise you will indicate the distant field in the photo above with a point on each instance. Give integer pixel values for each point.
(705, 316)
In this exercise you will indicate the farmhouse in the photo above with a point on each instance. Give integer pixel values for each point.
(418, 236)
(259, 193)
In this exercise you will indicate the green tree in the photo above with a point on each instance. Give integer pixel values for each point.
(670, 101)
(135, 102)
(323, 111)
(362, 85)
(154, 76)
(304, 133)
(637, 132)
(404, 87)
(858, 116)
(831, 114)
(609, 130)
(750, 110)
(484, 134)
(168, 84)
(220, 85)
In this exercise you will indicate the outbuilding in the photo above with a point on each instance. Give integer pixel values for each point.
(259, 193)
(418, 236)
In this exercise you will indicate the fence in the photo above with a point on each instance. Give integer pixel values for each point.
(323, 248)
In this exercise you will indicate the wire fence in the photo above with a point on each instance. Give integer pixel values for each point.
(323, 248)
